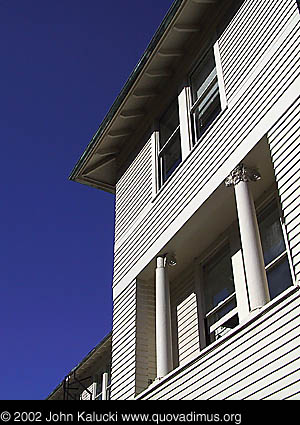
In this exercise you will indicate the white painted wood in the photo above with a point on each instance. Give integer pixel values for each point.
(252, 249)
(250, 361)
(134, 190)
(261, 101)
(220, 75)
(185, 122)
(154, 156)
(90, 393)
(123, 346)
(287, 172)
(151, 236)
(145, 344)
(239, 275)
(164, 350)
(184, 305)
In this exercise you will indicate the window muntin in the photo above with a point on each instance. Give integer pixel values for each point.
(206, 103)
(169, 152)
(274, 250)
(219, 295)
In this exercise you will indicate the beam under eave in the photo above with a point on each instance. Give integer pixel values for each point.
(132, 113)
(205, 1)
(119, 133)
(186, 28)
(144, 93)
(156, 73)
(170, 53)
(104, 161)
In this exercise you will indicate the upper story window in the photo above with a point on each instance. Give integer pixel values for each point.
(274, 250)
(182, 124)
(169, 146)
(206, 103)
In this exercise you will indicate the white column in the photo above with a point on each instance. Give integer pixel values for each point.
(104, 385)
(164, 355)
(250, 239)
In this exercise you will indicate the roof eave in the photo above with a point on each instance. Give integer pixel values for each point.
(75, 173)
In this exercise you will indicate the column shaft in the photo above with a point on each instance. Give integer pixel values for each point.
(252, 249)
(163, 321)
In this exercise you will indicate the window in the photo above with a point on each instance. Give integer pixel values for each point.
(219, 295)
(169, 148)
(206, 103)
(275, 254)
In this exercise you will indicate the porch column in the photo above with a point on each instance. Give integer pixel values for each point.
(164, 355)
(250, 239)
(104, 385)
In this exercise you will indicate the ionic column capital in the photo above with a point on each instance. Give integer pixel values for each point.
(241, 173)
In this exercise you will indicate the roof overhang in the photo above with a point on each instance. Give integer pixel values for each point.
(97, 166)
(87, 366)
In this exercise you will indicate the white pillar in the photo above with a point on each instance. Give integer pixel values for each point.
(104, 385)
(164, 355)
(251, 244)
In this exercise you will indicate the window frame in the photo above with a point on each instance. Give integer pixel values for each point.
(221, 92)
(262, 205)
(225, 239)
(185, 128)
(161, 179)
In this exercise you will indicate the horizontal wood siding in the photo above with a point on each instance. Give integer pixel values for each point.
(284, 139)
(272, 77)
(124, 345)
(145, 349)
(133, 191)
(90, 393)
(259, 361)
(250, 34)
(133, 341)
(184, 318)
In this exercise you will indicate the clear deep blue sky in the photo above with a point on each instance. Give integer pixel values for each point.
(63, 62)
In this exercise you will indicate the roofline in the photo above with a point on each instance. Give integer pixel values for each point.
(103, 341)
(128, 85)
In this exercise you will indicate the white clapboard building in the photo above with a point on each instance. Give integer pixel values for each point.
(202, 151)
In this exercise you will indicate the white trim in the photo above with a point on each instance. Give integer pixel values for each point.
(198, 275)
(225, 318)
(154, 159)
(221, 83)
(185, 123)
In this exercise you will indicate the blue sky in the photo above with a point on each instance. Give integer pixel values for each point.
(63, 62)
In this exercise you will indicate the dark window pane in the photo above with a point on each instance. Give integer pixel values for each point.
(205, 95)
(279, 278)
(171, 156)
(203, 75)
(218, 280)
(206, 112)
(221, 312)
(168, 123)
(271, 233)
(222, 330)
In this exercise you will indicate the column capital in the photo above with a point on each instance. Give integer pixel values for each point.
(242, 173)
